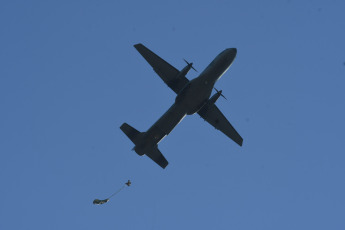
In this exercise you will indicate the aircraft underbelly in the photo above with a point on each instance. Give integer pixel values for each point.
(166, 123)
(196, 95)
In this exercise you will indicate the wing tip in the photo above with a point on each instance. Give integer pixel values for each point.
(137, 45)
(164, 165)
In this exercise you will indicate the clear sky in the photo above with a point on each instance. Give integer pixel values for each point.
(70, 76)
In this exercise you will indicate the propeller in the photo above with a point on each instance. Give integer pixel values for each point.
(220, 92)
(191, 65)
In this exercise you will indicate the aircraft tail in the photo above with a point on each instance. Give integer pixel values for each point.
(153, 152)
(131, 132)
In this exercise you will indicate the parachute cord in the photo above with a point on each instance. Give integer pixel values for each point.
(116, 192)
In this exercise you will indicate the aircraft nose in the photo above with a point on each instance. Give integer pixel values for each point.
(233, 51)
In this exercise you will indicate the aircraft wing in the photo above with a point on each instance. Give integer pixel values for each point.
(167, 72)
(215, 117)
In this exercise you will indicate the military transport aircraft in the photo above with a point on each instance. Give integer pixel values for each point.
(192, 97)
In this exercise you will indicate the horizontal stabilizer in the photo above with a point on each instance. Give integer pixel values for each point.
(131, 132)
(157, 157)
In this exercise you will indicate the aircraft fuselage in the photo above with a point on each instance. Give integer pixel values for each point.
(188, 101)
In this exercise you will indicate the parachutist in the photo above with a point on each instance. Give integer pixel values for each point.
(98, 202)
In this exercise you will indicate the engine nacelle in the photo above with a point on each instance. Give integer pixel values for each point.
(211, 101)
(185, 70)
(215, 97)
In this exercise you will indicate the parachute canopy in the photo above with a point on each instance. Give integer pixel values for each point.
(97, 201)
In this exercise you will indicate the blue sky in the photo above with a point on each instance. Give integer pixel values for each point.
(70, 77)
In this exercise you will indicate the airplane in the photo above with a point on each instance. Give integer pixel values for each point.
(192, 97)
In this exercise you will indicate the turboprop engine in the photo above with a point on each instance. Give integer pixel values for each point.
(186, 69)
